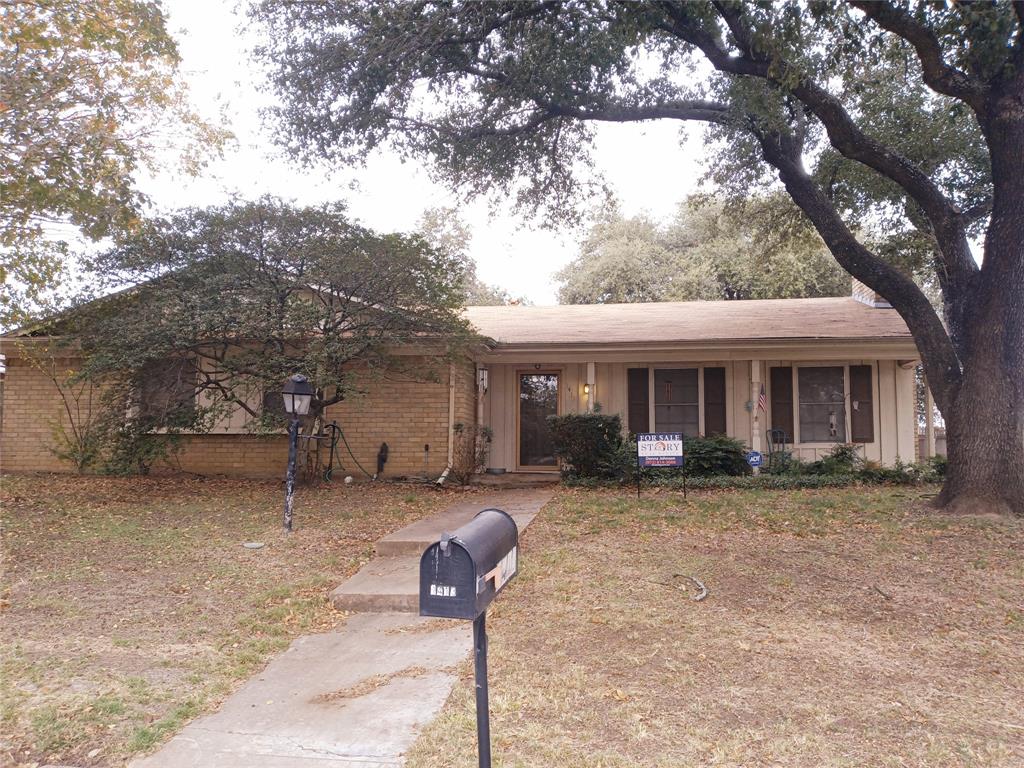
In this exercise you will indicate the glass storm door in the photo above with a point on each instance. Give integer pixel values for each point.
(538, 399)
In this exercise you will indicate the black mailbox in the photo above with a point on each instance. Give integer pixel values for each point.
(463, 572)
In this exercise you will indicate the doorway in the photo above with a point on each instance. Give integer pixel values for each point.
(537, 399)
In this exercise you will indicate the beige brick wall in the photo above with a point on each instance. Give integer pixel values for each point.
(405, 413)
(32, 410)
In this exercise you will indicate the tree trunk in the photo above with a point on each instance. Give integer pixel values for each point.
(985, 422)
(984, 443)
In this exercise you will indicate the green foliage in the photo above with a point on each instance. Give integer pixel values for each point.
(760, 248)
(91, 97)
(715, 455)
(588, 444)
(842, 459)
(445, 229)
(134, 448)
(225, 303)
(229, 301)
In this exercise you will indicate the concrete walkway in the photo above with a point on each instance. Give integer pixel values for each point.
(353, 698)
(390, 582)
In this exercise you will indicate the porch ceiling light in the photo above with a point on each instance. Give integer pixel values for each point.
(297, 395)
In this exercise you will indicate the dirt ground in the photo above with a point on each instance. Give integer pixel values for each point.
(131, 605)
(842, 628)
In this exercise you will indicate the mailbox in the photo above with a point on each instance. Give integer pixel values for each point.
(463, 572)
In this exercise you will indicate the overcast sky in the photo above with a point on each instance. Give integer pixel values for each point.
(646, 165)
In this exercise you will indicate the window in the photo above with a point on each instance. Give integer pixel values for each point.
(714, 401)
(822, 404)
(862, 417)
(638, 407)
(679, 405)
(676, 400)
(782, 402)
(167, 393)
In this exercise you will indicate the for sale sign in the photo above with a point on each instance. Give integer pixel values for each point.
(659, 449)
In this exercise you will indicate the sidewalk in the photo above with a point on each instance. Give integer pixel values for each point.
(356, 697)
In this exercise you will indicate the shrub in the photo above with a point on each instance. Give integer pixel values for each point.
(470, 451)
(716, 455)
(589, 444)
(842, 460)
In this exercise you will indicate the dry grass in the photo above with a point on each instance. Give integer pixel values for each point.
(843, 628)
(130, 605)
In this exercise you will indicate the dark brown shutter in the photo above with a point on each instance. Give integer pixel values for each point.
(862, 415)
(714, 401)
(639, 401)
(782, 401)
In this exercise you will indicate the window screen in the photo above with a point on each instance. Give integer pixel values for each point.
(782, 402)
(676, 400)
(822, 411)
(167, 393)
(714, 401)
(639, 400)
(862, 416)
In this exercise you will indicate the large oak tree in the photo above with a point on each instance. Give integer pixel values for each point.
(896, 127)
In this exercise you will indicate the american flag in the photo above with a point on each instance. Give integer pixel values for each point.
(762, 400)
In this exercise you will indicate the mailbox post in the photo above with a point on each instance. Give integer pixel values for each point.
(460, 576)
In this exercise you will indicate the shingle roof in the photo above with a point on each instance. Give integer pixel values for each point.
(688, 321)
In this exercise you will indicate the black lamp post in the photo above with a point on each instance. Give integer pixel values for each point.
(297, 396)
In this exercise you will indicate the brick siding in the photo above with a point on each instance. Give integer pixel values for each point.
(398, 410)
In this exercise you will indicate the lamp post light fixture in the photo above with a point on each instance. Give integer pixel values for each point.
(298, 393)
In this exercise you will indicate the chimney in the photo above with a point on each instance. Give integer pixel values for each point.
(869, 296)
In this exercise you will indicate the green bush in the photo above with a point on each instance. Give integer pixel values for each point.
(588, 444)
(842, 460)
(716, 455)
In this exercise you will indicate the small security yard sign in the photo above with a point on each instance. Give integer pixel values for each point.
(659, 449)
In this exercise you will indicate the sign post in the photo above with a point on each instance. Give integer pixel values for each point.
(659, 449)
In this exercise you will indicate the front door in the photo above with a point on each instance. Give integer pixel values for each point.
(538, 399)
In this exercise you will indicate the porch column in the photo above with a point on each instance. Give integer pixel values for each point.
(591, 383)
(755, 412)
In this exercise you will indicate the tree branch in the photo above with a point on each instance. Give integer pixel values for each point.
(845, 135)
(938, 75)
(937, 351)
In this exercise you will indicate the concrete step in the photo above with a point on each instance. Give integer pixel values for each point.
(523, 505)
(383, 585)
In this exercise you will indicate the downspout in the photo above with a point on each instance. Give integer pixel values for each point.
(451, 424)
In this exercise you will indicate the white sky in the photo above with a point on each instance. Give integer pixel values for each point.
(645, 165)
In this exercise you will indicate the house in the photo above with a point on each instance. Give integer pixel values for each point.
(832, 370)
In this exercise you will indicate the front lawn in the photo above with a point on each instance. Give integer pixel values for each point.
(844, 627)
(131, 605)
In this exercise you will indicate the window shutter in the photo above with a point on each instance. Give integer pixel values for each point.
(782, 401)
(862, 415)
(639, 401)
(714, 401)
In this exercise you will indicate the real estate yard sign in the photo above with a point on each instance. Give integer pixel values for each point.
(659, 449)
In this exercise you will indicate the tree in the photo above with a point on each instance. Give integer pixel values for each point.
(896, 127)
(757, 248)
(90, 96)
(445, 229)
(224, 303)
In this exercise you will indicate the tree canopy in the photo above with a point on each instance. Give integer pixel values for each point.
(225, 303)
(91, 95)
(896, 127)
(445, 229)
(762, 248)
